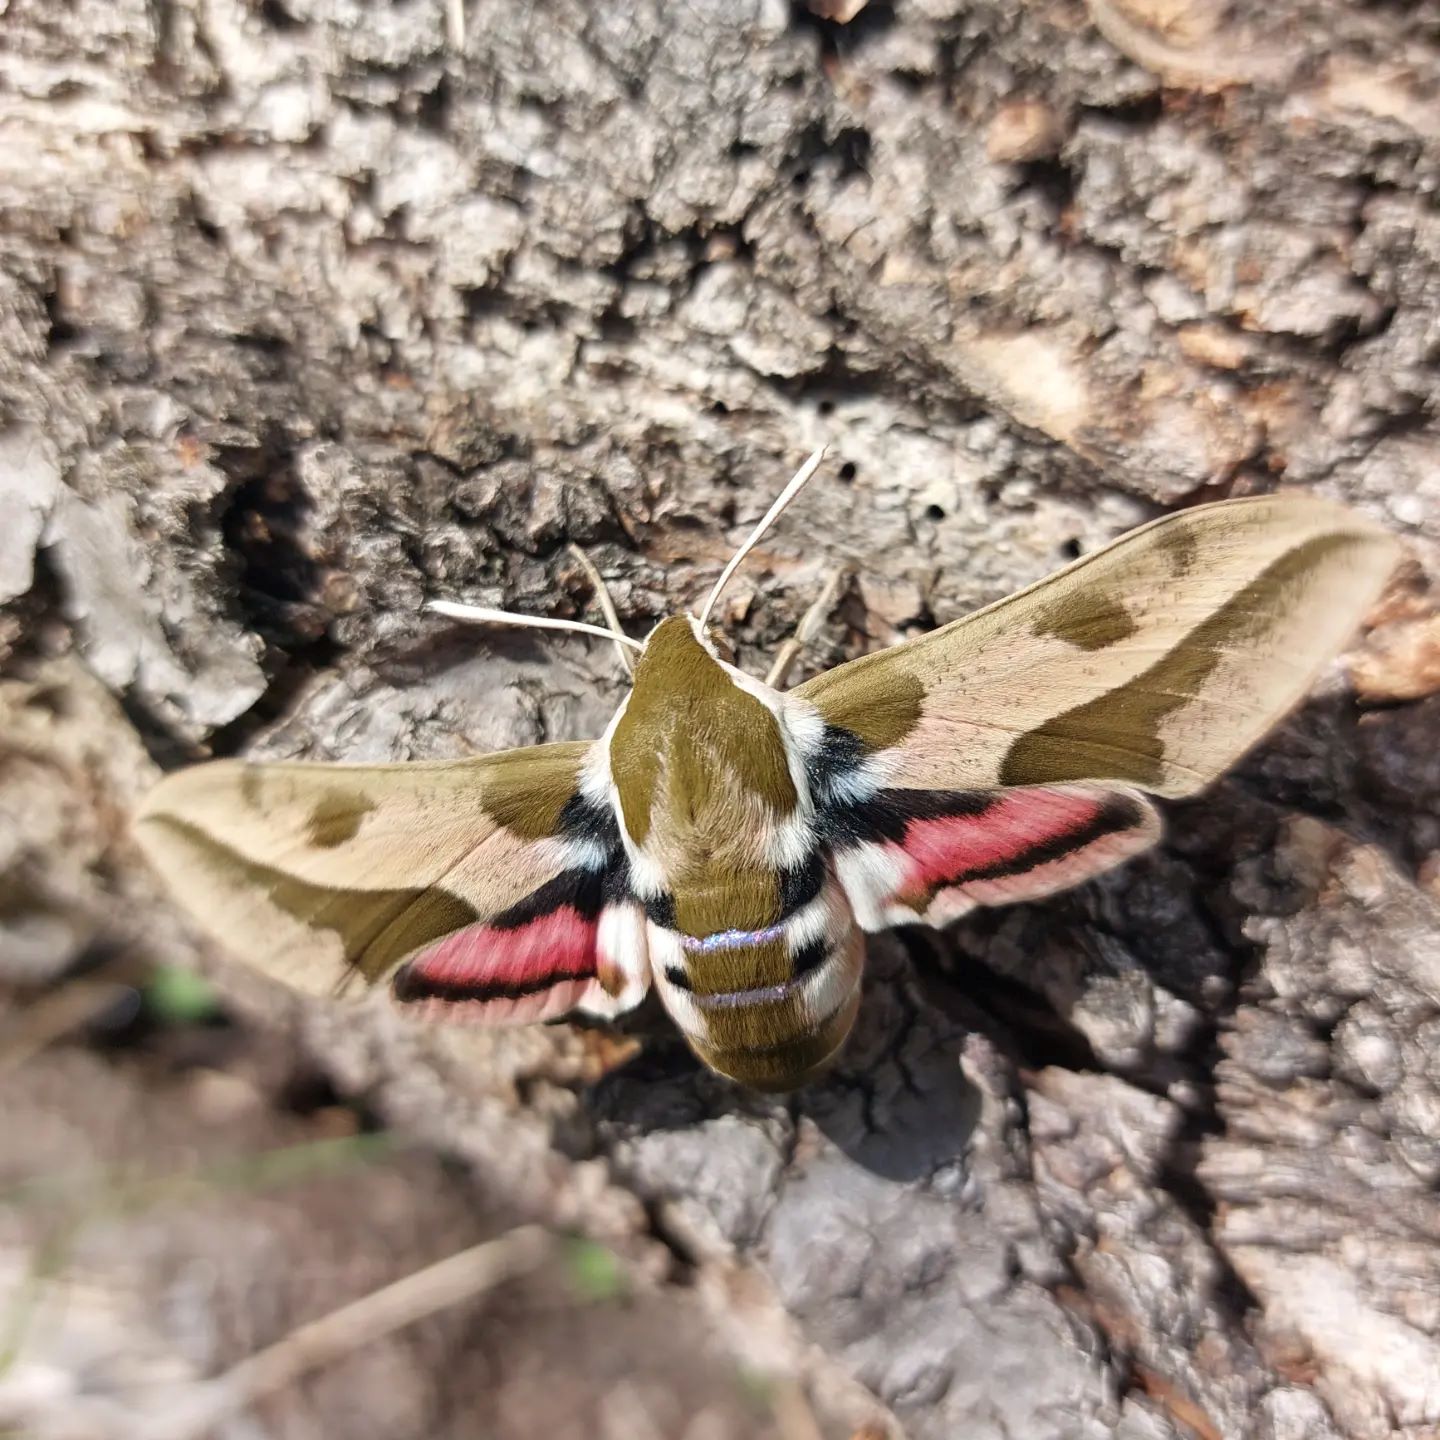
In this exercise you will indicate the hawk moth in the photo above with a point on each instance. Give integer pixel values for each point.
(729, 843)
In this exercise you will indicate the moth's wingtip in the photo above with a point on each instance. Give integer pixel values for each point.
(1387, 550)
(1382, 548)
(153, 804)
(1395, 545)
(165, 799)
(1345, 516)
(148, 820)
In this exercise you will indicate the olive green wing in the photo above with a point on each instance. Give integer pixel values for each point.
(1154, 663)
(333, 877)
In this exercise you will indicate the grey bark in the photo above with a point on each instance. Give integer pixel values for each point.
(311, 310)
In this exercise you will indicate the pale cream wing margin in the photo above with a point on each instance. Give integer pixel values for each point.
(327, 876)
(1155, 662)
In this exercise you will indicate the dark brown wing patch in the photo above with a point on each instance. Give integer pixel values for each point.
(1091, 620)
(880, 707)
(1116, 736)
(376, 928)
(336, 818)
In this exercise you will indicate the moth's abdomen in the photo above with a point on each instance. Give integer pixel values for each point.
(769, 1006)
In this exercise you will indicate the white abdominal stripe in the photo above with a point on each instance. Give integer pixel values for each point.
(730, 940)
(812, 933)
(804, 960)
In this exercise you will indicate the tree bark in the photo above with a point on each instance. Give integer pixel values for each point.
(311, 310)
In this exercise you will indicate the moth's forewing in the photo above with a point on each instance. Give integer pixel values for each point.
(329, 876)
(1154, 663)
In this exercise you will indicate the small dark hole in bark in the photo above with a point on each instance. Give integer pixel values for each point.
(1052, 179)
(434, 109)
(263, 526)
(848, 470)
(481, 301)
(267, 528)
(840, 155)
(1070, 549)
(934, 512)
(825, 407)
(853, 146)
(307, 1091)
(277, 17)
(617, 329)
(873, 20)
(61, 330)
(261, 341)
(1143, 110)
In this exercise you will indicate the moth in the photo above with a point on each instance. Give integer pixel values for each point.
(729, 842)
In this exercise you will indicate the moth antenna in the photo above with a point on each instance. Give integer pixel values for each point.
(483, 616)
(797, 483)
(606, 604)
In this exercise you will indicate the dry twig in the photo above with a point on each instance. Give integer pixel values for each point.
(471, 1273)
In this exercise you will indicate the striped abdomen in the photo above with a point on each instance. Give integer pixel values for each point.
(769, 1006)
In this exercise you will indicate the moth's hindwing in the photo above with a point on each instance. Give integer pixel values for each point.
(488, 889)
(910, 856)
(1154, 663)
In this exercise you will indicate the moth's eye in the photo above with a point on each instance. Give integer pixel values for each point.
(723, 647)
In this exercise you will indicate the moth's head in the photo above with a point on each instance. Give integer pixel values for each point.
(678, 650)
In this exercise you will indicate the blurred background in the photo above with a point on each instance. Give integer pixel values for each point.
(312, 310)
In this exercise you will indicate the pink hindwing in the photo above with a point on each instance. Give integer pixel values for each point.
(559, 950)
(907, 856)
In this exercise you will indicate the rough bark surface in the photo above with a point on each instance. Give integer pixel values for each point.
(313, 309)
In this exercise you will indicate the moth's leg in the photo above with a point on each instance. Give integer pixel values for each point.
(602, 598)
(808, 628)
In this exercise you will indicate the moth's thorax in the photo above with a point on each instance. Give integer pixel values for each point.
(704, 779)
